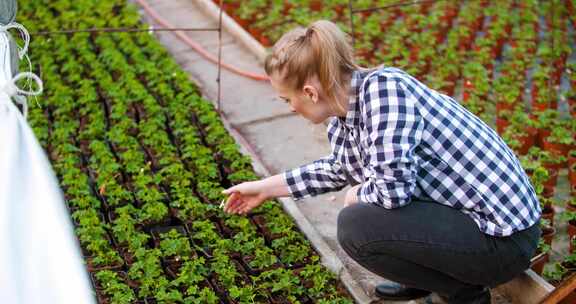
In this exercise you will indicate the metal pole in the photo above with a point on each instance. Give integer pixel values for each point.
(219, 56)
(350, 8)
(394, 5)
(551, 62)
(120, 29)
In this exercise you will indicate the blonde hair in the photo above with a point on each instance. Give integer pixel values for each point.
(321, 49)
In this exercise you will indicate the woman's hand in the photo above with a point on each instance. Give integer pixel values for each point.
(351, 197)
(245, 197)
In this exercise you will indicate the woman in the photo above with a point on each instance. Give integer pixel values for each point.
(439, 202)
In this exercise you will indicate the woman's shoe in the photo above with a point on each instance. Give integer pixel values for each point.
(397, 292)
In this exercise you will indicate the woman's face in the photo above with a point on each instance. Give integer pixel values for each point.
(307, 102)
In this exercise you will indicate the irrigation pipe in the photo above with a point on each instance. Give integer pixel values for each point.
(197, 47)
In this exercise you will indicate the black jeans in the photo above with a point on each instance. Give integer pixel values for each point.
(433, 247)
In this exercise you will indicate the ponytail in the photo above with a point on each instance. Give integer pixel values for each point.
(321, 50)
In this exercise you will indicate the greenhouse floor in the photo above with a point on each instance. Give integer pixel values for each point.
(281, 139)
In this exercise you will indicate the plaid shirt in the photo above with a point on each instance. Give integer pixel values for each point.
(401, 139)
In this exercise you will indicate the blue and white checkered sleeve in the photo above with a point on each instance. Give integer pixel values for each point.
(393, 129)
(320, 176)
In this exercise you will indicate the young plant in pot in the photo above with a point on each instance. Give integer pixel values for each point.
(439, 81)
(541, 91)
(570, 218)
(225, 270)
(548, 231)
(541, 257)
(147, 272)
(521, 134)
(317, 280)
(240, 224)
(547, 206)
(204, 235)
(569, 263)
(192, 271)
(546, 120)
(548, 162)
(571, 100)
(538, 175)
(187, 208)
(113, 288)
(205, 295)
(96, 243)
(264, 259)
(507, 94)
(552, 274)
(568, 267)
(152, 213)
(242, 176)
(245, 294)
(572, 167)
(253, 253)
(571, 204)
(192, 281)
(136, 241)
(560, 140)
(175, 248)
(475, 80)
(167, 294)
(281, 284)
(502, 120)
(125, 230)
(292, 249)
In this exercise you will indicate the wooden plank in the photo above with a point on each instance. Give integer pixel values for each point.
(527, 288)
(563, 290)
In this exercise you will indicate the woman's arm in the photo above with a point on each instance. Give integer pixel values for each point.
(317, 177)
(246, 196)
(320, 176)
(275, 186)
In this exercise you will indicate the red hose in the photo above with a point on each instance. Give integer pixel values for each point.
(198, 48)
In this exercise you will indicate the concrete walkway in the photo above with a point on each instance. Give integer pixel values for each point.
(281, 139)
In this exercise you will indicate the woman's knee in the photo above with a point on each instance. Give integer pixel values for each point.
(348, 228)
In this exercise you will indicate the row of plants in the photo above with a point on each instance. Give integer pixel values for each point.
(460, 31)
(509, 62)
(142, 159)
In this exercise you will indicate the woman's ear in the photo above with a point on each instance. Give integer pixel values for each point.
(311, 93)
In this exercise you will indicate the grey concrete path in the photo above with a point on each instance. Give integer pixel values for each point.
(281, 139)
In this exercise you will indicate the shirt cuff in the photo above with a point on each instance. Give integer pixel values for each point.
(370, 193)
(366, 193)
(291, 177)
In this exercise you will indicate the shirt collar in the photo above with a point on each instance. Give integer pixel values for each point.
(352, 116)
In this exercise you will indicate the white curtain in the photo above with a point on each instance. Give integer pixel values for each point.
(40, 259)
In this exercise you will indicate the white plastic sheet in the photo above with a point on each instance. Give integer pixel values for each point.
(40, 260)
